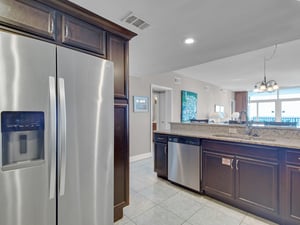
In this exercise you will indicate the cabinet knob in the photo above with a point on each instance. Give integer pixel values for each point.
(298, 158)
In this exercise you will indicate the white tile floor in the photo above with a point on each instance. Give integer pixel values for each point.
(155, 201)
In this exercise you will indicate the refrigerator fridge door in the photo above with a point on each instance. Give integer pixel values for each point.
(85, 174)
(27, 185)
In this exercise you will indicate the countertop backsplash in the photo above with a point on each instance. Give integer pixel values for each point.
(274, 131)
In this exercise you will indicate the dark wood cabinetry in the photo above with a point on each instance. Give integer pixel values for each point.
(292, 192)
(117, 51)
(233, 173)
(257, 184)
(121, 160)
(161, 155)
(218, 174)
(65, 23)
(29, 16)
(82, 35)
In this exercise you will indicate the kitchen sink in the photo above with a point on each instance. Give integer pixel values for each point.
(244, 137)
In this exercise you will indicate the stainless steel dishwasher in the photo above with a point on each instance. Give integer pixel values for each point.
(184, 161)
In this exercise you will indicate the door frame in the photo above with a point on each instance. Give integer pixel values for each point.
(169, 103)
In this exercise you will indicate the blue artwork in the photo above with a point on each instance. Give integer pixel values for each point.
(188, 106)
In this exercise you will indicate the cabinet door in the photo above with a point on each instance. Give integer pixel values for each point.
(293, 193)
(161, 159)
(121, 160)
(83, 35)
(117, 51)
(218, 174)
(257, 184)
(28, 16)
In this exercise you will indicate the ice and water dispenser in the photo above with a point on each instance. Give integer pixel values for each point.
(22, 137)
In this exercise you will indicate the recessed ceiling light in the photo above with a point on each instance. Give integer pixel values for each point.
(189, 41)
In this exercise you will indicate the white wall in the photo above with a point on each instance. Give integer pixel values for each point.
(208, 96)
(139, 122)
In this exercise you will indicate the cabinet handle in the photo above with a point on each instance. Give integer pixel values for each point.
(237, 164)
(66, 31)
(51, 24)
(231, 166)
(165, 150)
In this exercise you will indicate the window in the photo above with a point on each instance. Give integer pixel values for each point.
(289, 93)
(256, 96)
(281, 107)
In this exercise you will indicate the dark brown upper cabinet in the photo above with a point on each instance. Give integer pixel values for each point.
(30, 17)
(80, 34)
(118, 53)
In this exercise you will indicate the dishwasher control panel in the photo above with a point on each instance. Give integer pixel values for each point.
(185, 140)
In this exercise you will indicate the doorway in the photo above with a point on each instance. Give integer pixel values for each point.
(161, 109)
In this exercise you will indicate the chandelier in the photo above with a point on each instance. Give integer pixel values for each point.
(266, 86)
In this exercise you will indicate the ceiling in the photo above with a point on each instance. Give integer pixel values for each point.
(226, 34)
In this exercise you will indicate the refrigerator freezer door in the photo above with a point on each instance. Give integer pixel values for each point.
(25, 67)
(87, 197)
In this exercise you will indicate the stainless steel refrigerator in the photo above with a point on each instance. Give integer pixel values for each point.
(56, 156)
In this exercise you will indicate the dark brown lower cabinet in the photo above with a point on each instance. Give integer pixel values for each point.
(121, 160)
(231, 174)
(257, 184)
(293, 194)
(218, 174)
(161, 159)
(161, 155)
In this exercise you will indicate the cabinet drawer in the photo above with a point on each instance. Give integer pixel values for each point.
(293, 157)
(83, 35)
(246, 150)
(29, 16)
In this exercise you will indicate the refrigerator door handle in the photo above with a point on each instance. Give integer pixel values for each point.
(62, 151)
(52, 145)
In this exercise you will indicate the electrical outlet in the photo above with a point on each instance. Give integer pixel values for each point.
(232, 131)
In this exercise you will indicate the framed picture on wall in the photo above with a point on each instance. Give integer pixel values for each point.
(140, 104)
(188, 106)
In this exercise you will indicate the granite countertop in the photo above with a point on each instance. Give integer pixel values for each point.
(236, 137)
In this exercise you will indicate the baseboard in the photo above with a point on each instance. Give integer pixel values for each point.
(141, 156)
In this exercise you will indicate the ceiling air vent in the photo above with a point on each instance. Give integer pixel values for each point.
(135, 21)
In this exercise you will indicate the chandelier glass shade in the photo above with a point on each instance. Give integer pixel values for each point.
(266, 86)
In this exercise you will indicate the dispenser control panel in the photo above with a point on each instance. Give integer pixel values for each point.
(22, 138)
(21, 121)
